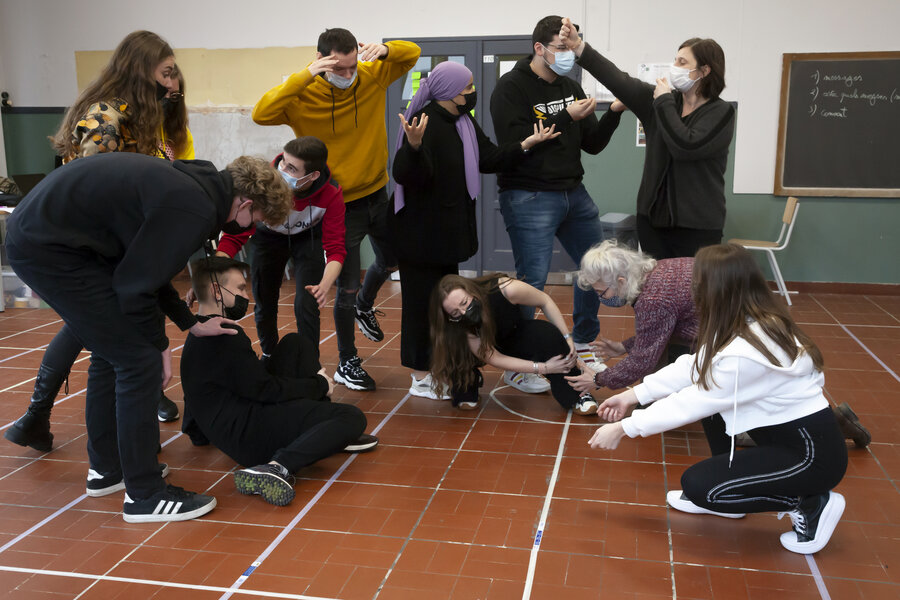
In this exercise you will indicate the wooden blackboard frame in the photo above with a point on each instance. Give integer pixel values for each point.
(780, 190)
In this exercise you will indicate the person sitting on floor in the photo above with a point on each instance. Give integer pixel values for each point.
(275, 414)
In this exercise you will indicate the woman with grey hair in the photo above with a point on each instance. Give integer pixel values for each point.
(659, 291)
(661, 294)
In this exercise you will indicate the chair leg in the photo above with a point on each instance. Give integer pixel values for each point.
(779, 280)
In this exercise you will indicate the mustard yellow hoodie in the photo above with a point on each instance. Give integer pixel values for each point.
(350, 122)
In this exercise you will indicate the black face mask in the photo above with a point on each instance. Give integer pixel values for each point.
(170, 103)
(234, 228)
(471, 101)
(161, 90)
(236, 312)
(472, 316)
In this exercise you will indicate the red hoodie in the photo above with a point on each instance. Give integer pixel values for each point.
(323, 202)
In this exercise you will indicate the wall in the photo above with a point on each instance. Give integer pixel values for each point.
(39, 38)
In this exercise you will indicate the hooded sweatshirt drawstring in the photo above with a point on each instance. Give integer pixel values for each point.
(355, 107)
(737, 376)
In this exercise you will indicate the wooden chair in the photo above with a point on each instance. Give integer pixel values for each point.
(770, 248)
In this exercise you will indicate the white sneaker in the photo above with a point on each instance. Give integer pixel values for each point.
(422, 388)
(586, 405)
(679, 501)
(591, 360)
(526, 382)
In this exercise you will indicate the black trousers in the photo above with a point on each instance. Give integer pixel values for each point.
(271, 252)
(674, 242)
(417, 281)
(804, 457)
(295, 433)
(124, 376)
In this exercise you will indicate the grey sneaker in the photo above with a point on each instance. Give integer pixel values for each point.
(526, 382)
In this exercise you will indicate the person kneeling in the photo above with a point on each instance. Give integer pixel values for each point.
(275, 414)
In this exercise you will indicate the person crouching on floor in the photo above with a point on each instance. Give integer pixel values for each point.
(277, 414)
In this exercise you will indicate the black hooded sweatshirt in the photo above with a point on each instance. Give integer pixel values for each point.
(522, 99)
(139, 216)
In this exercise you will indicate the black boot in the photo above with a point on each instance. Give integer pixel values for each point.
(33, 428)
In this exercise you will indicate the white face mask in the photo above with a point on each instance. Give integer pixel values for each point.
(340, 82)
(680, 78)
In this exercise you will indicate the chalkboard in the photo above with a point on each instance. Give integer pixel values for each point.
(839, 126)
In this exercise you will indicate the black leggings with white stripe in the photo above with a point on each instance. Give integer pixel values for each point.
(793, 460)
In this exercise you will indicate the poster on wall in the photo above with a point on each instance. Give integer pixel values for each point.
(649, 72)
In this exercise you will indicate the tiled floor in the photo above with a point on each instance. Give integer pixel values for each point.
(504, 502)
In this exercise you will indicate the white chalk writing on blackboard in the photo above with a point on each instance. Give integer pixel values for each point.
(844, 97)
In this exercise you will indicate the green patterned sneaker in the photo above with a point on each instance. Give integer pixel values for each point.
(269, 481)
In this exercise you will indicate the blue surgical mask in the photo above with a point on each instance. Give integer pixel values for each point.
(613, 302)
(291, 181)
(563, 61)
(340, 82)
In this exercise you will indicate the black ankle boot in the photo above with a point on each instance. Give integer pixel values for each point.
(33, 428)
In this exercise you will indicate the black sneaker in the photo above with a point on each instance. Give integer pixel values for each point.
(851, 427)
(166, 410)
(171, 504)
(368, 324)
(363, 443)
(269, 481)
(813, 521)
(103, 485)
(351, 374)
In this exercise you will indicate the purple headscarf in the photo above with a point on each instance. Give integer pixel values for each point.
(447, 81)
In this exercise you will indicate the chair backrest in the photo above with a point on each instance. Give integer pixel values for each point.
(789, 218)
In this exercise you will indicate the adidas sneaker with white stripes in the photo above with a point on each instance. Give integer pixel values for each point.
(171, 504)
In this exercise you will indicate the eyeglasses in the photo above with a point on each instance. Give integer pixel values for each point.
(603, 293)
(175, 97)
(560, 47)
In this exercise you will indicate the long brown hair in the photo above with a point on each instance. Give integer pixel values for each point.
(129, 75)
(452, 362)
(730, 293)
(175, 123)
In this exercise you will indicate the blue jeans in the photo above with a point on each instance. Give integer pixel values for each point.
(532, 220)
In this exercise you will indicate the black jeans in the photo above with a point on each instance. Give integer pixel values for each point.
(674, 242)
(804, 457)
(418, 281)
(535, 340)
(364, 216)
(271, 252)
(125, 372)
(295, 433)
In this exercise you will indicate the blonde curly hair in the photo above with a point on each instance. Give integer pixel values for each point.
(256, 179)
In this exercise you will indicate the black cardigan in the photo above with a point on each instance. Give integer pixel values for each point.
(437, 224)
(685, 157)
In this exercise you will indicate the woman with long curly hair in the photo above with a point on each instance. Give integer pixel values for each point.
(757, 369)
(477, 322)
(134, 105)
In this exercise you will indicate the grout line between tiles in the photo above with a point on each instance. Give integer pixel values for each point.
(425, 509)
(154, 582)
(30, 330)
(545, 511)
(24, 353)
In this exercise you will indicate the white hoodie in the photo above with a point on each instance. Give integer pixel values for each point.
(747, 390)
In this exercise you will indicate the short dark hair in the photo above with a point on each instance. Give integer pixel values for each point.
(546, 28)
(205, 270)
(336, 40)
(311, 150)
(708, 53)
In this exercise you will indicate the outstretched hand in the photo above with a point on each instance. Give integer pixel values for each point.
(541, 134)
(608, 348)
(414, 130)
(582, 108)
(616, 407)
(607, 437)
(585, 381)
